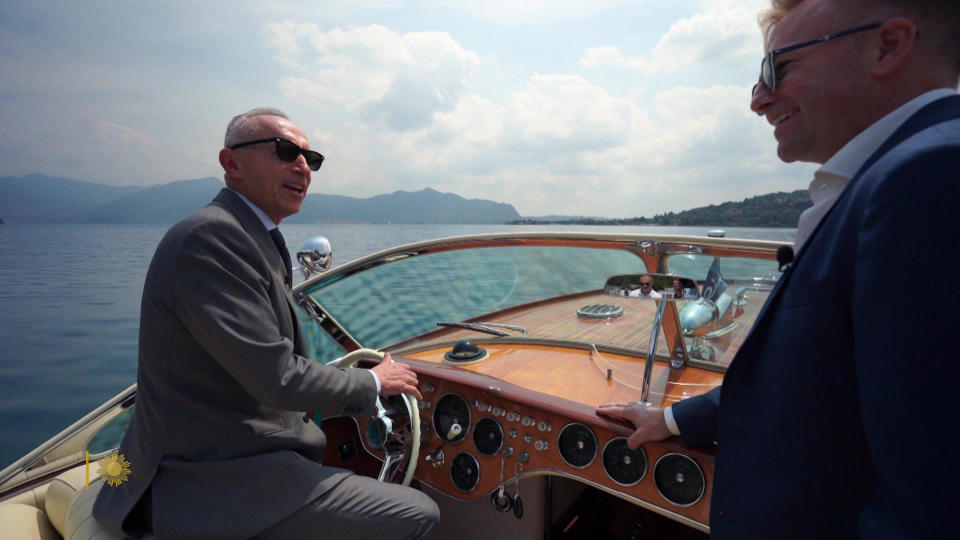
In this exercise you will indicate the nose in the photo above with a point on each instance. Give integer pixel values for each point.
(301, 164)
(760, 98)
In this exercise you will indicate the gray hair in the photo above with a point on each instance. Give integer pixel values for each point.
(243, 125)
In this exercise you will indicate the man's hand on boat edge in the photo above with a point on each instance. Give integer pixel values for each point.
(648, 422)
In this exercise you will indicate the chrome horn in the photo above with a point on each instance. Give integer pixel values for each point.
(315, 256)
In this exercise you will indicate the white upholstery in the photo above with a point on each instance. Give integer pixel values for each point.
(60, 491)
(32, 497)
(69, 508)
(24, 522)
(79, 523)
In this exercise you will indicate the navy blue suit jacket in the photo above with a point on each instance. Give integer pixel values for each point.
(833, 419)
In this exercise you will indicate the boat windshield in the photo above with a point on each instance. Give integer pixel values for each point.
(538, 290)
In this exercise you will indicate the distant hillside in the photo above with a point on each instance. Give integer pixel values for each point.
(772, 210)
(165, 203)
(42, 199)
(424, 206)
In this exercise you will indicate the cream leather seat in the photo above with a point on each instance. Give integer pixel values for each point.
(25, 522)
(79, 523)
(69, 512)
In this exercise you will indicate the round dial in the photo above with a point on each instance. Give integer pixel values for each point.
(679, 479)
(488, 436)
(451, 409)
(623, 465)
(465, 471)
(578, 445)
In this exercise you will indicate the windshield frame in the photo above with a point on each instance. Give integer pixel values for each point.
(653, 250)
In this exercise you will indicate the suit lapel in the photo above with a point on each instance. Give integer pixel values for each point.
(254, 227)
(931, 114)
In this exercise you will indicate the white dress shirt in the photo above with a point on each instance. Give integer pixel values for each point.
(831, 178)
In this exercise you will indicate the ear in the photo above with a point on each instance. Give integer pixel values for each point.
(229, 163)
(896, 39)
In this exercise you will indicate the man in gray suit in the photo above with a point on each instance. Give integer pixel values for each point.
(218, 444)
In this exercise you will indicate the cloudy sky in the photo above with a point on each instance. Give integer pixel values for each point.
(611, 108)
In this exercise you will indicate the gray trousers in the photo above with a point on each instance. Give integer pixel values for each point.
(359, 508)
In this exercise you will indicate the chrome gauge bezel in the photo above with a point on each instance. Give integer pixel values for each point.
(646, 461)
(703, 478)
(466, 429)
(596, 445)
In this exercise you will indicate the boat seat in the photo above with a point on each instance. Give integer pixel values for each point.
(70, 508)
(24, 522)
(60, 491)
(79, 523)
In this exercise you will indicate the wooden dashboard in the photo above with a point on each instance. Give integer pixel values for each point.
(528, 431)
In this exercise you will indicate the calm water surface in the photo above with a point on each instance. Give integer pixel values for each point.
(70, 303)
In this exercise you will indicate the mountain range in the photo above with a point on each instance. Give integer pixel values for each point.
(43, 199)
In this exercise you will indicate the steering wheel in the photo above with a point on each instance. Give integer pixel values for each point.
(384, 424)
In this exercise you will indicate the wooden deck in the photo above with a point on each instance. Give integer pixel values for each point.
(580, 374)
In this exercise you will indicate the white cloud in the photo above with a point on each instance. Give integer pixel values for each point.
(532, 12)
(402, 95)
(395, 80)
(723, 33)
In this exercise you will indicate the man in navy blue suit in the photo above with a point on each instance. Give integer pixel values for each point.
(832, 421)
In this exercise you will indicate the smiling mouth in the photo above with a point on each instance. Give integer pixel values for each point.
(296, 188)
(778, 120)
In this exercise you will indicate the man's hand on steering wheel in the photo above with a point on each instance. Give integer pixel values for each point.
(396, 378)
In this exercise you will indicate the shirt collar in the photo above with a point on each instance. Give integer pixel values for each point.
(264, 218)
(848, 160)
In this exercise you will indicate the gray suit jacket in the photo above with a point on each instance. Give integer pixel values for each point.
(217, 434)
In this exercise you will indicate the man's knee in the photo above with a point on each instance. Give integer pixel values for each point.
(424, 515)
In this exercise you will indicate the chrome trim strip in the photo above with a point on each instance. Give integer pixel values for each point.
(123, 400)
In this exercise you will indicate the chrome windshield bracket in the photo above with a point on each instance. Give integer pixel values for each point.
(651, 350)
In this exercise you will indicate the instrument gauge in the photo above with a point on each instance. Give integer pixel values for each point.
(679, 479)
(577, 445)
(623, 465)
(488, 436)
(451, 409)
(465, 472)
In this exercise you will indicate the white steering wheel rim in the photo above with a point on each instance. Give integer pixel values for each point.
(350, 360)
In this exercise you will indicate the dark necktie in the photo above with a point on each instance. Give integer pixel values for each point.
(284, 254)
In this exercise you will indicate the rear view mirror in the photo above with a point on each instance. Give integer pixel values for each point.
(652, 287)
(315, 256)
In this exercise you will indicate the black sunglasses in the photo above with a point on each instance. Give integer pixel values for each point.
(287, 151)
(642, 284)
(768, 73)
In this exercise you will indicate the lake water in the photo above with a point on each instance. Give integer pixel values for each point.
(70, 305)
